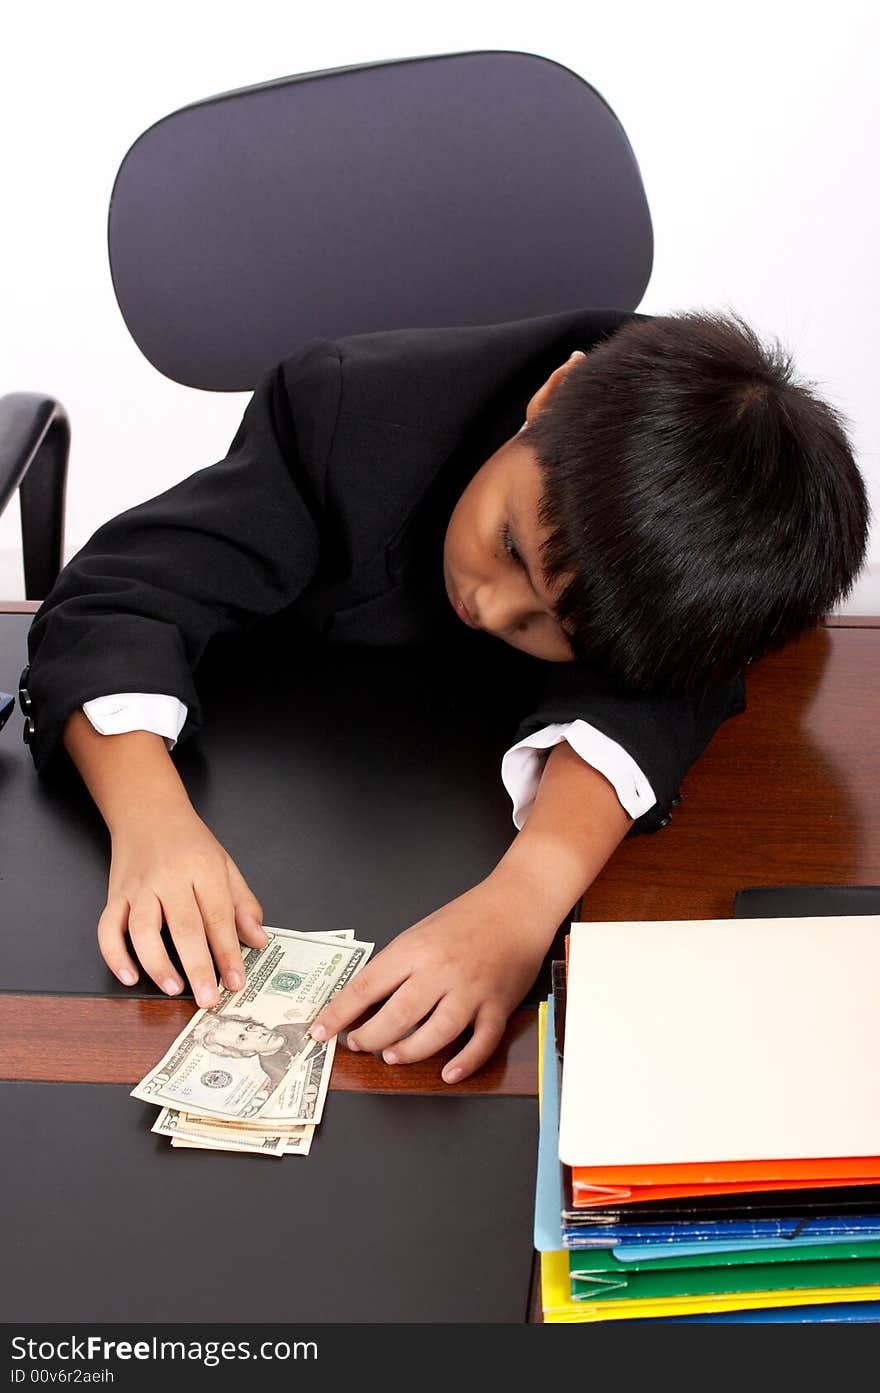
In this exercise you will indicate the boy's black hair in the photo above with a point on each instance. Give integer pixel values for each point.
(704, 506)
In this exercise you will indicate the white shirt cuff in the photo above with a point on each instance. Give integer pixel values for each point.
(523, 765)
(123, 711)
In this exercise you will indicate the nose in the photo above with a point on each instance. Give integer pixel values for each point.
(497, 608)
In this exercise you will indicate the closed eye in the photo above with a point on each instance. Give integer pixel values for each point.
(508, 546)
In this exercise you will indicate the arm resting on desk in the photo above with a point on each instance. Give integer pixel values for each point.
(661, 735)
(575, 824)
(165, 863)
(120, 712)
(521, 767)
(471, 962)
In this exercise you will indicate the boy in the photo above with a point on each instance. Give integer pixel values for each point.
(673, 506)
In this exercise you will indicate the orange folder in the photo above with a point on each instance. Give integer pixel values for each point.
(689, 1177)
(586, 1194)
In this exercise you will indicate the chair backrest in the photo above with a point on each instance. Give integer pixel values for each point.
(462, 188)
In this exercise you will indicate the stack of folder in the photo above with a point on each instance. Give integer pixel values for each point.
(709, 1132)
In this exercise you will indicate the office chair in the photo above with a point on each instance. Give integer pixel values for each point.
(454, 189)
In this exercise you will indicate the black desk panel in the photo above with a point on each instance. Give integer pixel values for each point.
(408, 1209)
(354, 788)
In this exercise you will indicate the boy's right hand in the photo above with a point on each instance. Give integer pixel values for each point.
(174, 867)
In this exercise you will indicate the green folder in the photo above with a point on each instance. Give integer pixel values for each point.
(598, 1273)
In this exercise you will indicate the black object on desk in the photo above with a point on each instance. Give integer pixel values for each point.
(407, 1209)
(800, 901)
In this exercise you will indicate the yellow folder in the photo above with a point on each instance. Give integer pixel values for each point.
(560, 1309)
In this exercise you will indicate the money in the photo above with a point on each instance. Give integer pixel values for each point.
(245, 1074)
(177, 1143)
(226, 1136)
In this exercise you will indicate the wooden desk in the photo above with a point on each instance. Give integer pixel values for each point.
(786, 793)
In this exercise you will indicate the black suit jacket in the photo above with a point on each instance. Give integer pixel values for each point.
(331, 504)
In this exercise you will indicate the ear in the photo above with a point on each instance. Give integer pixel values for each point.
(545, 392)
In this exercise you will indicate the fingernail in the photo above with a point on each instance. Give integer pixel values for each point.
(318, 1032)
(128, 976)
(234, 980)
(452, 1075)
(353, 1045)
(205, 995)
(170, 986)
(390, 1057)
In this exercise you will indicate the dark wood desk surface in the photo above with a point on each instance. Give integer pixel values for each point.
(785, 794)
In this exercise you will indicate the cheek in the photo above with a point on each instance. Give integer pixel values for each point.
(467, 526)
(457, 547)
(450, 540)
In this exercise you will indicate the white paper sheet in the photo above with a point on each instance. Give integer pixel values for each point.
(722, 1039)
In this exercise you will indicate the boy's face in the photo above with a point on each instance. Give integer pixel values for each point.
(491, 551)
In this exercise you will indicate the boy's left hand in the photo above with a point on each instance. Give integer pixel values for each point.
(469, 963)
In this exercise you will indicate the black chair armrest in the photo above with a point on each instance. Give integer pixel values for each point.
(34, 449)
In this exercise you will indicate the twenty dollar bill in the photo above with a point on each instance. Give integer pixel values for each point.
(250, 1059)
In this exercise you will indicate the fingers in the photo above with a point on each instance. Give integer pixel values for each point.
(112, 928)
(409, 1005)
(374, 982)
(488, 1030)
(444, 1024)
(248, 910)
(219, 919)
(184, 920)
(206, 920)
(143, 921)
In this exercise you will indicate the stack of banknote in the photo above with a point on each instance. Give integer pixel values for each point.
(246, 1075)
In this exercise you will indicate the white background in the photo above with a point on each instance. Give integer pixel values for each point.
(755, 126)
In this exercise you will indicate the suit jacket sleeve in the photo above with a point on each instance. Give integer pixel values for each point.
(664, 734)
(134, 609)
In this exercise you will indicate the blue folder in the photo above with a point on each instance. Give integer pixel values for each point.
(836, 1312)
(548, 1190)
(850, 1225)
